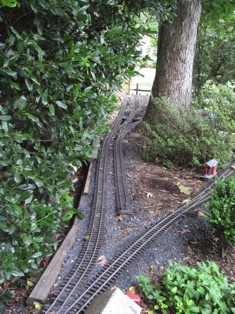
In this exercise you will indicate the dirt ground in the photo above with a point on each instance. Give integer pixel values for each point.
(162, 190)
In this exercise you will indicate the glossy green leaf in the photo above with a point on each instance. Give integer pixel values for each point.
(27, 239)
(1, 60)
(14, 271)
(11, 73)
(35, 255)
(29, 84)
(34, 79)
(61, 104)
(44, 98)
(5, 118)
(5, 126)
(20, 103)
(52, 110)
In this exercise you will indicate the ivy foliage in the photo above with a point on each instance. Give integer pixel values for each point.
(60, 64)
(182, 289)
(221, 208)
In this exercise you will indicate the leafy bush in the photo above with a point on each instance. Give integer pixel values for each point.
(218, 101)
(182, 289)
(221, 207)
(60, 64)
(214, 57)
(177, 137)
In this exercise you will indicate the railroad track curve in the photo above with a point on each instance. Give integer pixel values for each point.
(90, 250)
(75, 293)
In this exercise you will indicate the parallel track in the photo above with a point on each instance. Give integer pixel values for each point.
(75, 293)
(90, 251)
(112, 270)
(122, 201)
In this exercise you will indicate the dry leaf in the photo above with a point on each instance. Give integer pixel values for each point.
(133, 289)
(120, 218)
(152, 269)
(30, 283)
(184, 189)
(201, 214)
(183, 231)
(37, 305)
(101, 260)
(74, 168)
(186, 201)
(186, 258)
(190, 250)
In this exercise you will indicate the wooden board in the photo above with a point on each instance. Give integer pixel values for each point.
(96, 145)
(48, 278)
(88, 179)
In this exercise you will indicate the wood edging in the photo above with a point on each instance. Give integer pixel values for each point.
(96, 144)
(48, 278)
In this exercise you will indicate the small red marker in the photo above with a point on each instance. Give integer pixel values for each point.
(133, 296)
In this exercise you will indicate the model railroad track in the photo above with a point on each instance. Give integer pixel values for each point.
(128, 123)
(106, 276)
(90, 250)
(75, 293)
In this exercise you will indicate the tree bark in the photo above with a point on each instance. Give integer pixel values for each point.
(176, 48)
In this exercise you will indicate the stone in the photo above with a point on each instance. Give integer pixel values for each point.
(113, 302)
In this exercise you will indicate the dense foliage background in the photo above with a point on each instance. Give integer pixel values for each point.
(60, 64)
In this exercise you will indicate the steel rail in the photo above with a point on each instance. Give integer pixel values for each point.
(122, 199)
(89, 252)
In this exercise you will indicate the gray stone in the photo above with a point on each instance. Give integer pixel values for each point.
(113, 302)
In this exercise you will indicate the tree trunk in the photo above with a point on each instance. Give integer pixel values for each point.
(176, 48)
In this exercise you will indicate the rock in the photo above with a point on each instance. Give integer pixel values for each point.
(113, 302)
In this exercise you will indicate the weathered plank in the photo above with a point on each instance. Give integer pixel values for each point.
(88, 179)
(48, 278)
(96, 145)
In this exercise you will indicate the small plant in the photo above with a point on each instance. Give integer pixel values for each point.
(182, 289)
(222, 208)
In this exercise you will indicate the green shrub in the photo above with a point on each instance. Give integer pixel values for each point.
(182, 289)
(177, 137)
(60, 64)
(222, 208)
(219, 102)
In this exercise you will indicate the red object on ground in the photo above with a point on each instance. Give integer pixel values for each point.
(133, 296)
(210, 167)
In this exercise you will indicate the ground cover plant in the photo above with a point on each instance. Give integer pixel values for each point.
(182, 289)
(221, 208)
